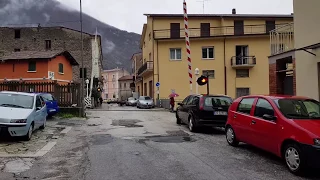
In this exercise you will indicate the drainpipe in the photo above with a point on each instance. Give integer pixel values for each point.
(225, 68)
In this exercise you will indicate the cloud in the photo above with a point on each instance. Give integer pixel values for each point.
(47, 16)
(108, 46)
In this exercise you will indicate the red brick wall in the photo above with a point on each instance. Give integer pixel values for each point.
(294, 76)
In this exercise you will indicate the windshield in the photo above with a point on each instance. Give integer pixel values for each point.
(16, 101)
(131, 99)
(299, 109)
(218, 101)
(47, 97)
(145, 98)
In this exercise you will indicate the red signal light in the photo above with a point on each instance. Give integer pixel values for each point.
(202, 80)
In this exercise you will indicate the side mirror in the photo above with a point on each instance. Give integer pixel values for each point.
(180, 104)
(269, 117)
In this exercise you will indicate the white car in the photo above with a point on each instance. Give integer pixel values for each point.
(22, 113)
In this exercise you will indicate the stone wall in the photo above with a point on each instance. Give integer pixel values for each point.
(33, 39)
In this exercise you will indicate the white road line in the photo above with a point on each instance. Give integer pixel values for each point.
(66, 130)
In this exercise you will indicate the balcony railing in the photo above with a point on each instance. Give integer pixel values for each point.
(147, 66)
(261, 29)
(282, 39)
(243, 62)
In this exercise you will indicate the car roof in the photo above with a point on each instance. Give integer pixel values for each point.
(212, 95)
(276, 97)
(18, 93)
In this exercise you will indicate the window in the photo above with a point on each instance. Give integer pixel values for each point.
(48, 44)
(149, 36)
(209, 73)
(61, 68)
(174, 30)
(299, 108)
(208, 53)
(270, 25)
(245, 105)
(120, 85)
(205, 29)
(263, 107)
(48, 97)
(144, 44)
(38, 102)
(150, 57)
(175, 53)
(107, 96)
(85, 73)
(218, 101)
(16, 50)
(185, 100)
(190, 100)
(124, 85)
(238, 27)
(242, 73)
(32, 66)
(17, 33)
(243, 92)
(14, 100)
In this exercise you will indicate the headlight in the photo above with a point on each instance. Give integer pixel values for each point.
(317, 142)
(18, 121)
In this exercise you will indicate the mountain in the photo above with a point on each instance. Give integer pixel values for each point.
(118, 45)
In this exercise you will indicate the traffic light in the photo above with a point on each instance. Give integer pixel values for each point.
(99, 89)
(202, 80)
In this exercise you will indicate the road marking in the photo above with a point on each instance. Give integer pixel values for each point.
(66, 130)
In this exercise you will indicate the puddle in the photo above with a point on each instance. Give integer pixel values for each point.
(101, 139)
(129, 123)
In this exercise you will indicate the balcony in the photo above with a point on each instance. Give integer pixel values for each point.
(261, 29)
(146, 67)
(282, 39)
(243, 62)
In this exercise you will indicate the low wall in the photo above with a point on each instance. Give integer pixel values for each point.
(76, 111)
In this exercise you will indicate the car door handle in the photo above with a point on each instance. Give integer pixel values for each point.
(235, 116)
(253, 122)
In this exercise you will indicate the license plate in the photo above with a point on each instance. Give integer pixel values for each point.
(52, 110)
(223, 113)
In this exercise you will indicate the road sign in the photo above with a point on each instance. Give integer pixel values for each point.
(157, 84)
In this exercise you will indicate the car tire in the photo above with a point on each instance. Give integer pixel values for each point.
(28, 136)
(294, 159)
(178, 119)
(191, 124)
(231, 137)
(44, 125)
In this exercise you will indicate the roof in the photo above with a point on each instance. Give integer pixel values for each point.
(225, 15)
(126, 78)
(21, 93)
(26, 55)
(136, 55)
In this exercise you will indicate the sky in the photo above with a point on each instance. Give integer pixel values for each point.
(128, 14)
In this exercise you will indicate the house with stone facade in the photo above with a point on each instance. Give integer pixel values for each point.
(14, 39)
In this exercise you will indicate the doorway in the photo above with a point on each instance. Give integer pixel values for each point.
(242, 54)
(150, 89)
(238, 27)
(175, 30)
(145, 89)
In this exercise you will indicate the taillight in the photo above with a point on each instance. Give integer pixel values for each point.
(201, 103)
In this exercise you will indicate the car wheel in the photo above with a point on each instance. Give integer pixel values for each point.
(294, 159)
(231, 137)
(178, 119)
(191, 124)
(28, 136)
(44, 125)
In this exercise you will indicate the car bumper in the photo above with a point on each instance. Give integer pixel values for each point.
(53, 111)
(212, 123)
(146, 106)
(14, 129)
(312, 154)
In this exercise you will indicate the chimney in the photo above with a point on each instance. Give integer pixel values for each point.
(234, 11)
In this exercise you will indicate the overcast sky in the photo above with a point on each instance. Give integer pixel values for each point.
(128, 14)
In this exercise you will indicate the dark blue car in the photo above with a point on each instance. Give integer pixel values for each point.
(52, 104)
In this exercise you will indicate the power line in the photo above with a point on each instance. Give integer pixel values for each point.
(203, 3)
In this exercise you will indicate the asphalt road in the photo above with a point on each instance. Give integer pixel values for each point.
(139, 145)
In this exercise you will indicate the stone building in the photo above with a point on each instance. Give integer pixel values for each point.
(56, 39)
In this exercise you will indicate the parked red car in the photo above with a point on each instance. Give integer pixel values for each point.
(287, 126)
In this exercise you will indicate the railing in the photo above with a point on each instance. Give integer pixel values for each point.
(282, 39)
(214, 31)
(243, 61)
(145, 67)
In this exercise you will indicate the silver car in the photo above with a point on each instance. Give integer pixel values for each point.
(145, 102)
(131, 101)
(22, 113)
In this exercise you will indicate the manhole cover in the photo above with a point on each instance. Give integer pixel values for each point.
(101, 139)
(126, 123)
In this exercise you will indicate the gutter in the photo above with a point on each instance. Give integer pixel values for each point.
(225, 67)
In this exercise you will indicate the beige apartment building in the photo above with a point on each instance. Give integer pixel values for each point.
(295, 58)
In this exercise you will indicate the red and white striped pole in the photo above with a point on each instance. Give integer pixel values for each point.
(186, 29)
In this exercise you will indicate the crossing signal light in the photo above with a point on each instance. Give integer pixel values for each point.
(202, 80)
(99, 89)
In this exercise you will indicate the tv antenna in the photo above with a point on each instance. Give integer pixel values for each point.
(203, 3)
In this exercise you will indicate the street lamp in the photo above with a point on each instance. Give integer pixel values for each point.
(197, 73)
(87, 82)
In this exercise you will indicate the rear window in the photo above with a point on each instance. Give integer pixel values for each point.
(218, 101)
(131, 98)
(47, 97)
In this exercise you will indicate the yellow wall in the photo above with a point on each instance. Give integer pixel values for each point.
(174, 74)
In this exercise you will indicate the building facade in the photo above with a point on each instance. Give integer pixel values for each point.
(136, 60)
(232, 48)
(55, 39)
(111, 83)
(295, 63)
(125, 87)
(34, 66)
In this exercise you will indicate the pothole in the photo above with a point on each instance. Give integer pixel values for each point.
(101, 139)
(166, 139)
(129, 123)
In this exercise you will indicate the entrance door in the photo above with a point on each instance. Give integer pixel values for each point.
(242, 53)
(288, 85)
(150, 89)
(238, 27)
(145, 89)
(175, 30)
(205, 29)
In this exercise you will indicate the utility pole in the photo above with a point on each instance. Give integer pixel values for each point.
(203, 3)
(82, 68)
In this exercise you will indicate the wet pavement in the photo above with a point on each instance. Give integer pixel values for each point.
(135, 145)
